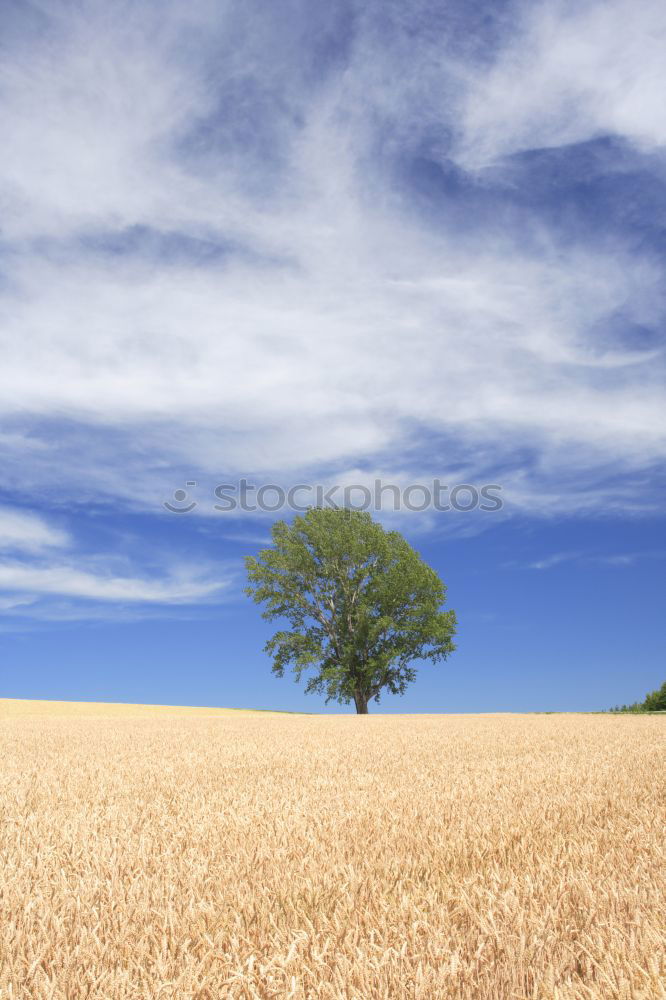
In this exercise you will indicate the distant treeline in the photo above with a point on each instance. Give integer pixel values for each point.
(655, 701)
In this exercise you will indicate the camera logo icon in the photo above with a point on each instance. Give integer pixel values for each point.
(180, 498)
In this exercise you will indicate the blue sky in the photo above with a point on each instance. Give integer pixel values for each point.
(329, 244)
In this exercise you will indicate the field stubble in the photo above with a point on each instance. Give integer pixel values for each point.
(209, 855)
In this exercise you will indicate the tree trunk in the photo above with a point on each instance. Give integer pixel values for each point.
(361, 702)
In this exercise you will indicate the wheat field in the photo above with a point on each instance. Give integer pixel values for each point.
(162, 853)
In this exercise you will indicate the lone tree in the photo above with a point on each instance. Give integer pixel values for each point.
(361, 605)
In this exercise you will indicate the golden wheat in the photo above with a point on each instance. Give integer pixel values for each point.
(201, 854)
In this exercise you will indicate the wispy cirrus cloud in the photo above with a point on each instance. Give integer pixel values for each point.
(619, 559)
(28, 532)
(291, 245)
(566, 74)
(71, 581)
(45, 575)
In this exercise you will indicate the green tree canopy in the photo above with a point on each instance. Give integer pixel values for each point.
(655, 701)
(360, 603)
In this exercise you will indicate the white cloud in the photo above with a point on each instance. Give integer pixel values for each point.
(555, 560)
(15, 601)
(21, 530)
(71, 581)
(569, 73)
(621, 559)
(35, 575)
(341, 328)
(199, 372)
